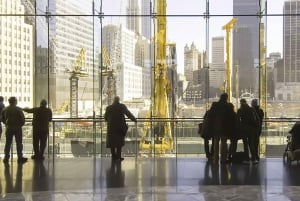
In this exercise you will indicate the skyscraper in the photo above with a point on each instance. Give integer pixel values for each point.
(291, 44)
(133, 20)
(16, 58)
(70, 35)
(217, 69)
(246, 44)
(146, 19)
(288, 79)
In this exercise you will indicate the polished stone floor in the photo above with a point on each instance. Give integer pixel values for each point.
(148, 179)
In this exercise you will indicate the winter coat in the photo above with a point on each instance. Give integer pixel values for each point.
(260, 114)
(206, 130)
(247, 121)
(116, 124)
(222, 119)
(13, 117)
(41, 118)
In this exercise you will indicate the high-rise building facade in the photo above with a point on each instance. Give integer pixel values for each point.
(288, 79)
(132, 65)
(291, 43)
(70, 35)
(217, 68)
(191, 59)
(133, 22)
(16, 57)
(139, 17)
(146, 19)
(245, 45)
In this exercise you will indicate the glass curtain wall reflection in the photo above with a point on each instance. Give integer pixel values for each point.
(80, 54)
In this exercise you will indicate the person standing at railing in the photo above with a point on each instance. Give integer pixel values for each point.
(206, 134)
(41, 117)
(2, 106)
(247, 124)
(260, 114)
(222, 117)
(117, 127)
(13, 118)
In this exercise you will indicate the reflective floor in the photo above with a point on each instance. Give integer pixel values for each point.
(146, 179)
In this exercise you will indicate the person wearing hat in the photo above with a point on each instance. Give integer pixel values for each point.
(41, 117)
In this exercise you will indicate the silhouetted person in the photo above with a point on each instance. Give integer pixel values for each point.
(206, 134)
(40, 122)
(222, 117)
(247, 124)
(260, 114)
(117, 127)
(13, 118)
(1, 109)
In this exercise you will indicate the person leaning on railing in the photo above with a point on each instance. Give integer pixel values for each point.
(41, 117)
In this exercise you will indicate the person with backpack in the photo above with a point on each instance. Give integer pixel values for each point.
(247, 127)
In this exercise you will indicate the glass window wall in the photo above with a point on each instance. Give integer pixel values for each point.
(166, 60)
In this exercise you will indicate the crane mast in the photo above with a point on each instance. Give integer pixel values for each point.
(78, 70)
(228, 27)
(162, 127)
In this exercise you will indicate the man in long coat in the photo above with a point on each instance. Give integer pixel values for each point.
(117, 127)
(222, 117)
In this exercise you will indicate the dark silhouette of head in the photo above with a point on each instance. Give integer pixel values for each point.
(43, 103)
(243, 101)
(224, 97)
(117, 99)
(12, 100)
(254, 103)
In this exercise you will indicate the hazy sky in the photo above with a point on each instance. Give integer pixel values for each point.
(187, 30)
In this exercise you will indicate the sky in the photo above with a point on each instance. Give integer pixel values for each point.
(187, 30)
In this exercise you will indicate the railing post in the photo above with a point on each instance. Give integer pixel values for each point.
(53, 143)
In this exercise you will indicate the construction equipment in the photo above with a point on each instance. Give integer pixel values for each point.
(230, 25)
(78, 70)
(109, 87)
(160, 126)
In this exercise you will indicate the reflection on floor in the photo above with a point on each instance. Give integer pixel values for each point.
(148, 179)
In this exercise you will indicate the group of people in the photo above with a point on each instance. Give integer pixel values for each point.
(13, 118)
(221, 123)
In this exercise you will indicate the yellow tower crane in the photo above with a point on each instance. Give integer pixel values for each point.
(262, 68)
(228, 27)
(161, 126)
(109, 73)
(78, 70)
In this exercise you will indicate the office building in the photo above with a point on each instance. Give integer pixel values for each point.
(245, 45)
(217, 73)
(16, 44)
(78, 165)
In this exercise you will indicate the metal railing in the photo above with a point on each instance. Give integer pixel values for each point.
(87, 138)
